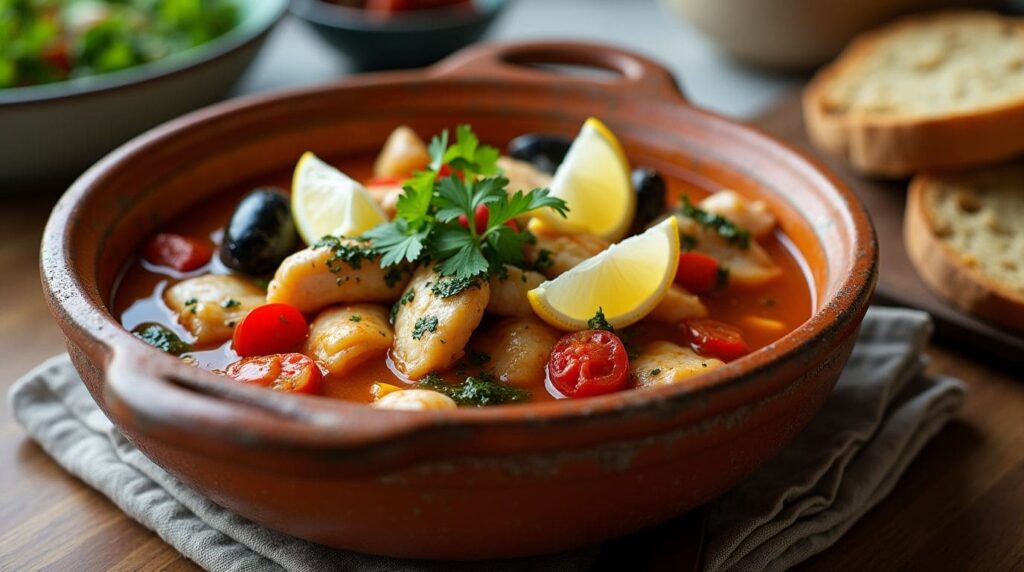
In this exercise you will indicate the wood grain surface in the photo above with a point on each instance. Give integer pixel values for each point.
(898, 282)
(959, 507)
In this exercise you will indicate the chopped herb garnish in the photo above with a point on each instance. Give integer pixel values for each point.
(477, 391)
(423, 325)
(192, 304)
(161, 338)
(655, 371)
(405, 299)
(721, 277)
(598, 322)
(543, 260)
(230, 303)
(426, 224)
(723, 226)
(351, 253)
(446, 288)
(393, 276)
(479, 358)
(355, 318)
(688, 242)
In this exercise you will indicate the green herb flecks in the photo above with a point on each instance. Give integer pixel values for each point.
(723, 226)
(688, 242)
(426, 224)
(598, 322)
(230, 303)
(423, 325)
(448, 287)
(476, 391)
(161, 338)
(721, 277)
(479, 358)
(655, 372)
(344, 251)
(355, 318)
(405, 299)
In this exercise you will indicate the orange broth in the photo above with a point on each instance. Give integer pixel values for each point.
(138, 296)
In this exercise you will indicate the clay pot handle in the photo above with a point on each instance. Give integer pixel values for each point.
(172, 402)
(524, 61)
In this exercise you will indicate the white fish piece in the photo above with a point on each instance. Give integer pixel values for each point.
(752, 216)
(343, 337)
(665, 363)
(432, 330)
(211, 305)
(678, 305)
(750, 266)
(519, 349)
(508, 292)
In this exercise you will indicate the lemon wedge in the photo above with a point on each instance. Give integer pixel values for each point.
(626, 281)
(327, 201)
(594, 179)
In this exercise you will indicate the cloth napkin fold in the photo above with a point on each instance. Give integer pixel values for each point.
(850, 456)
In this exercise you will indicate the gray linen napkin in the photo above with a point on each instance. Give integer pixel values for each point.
(850, 456)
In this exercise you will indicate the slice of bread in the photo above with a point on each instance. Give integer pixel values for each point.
(965, 235)
(932, 91)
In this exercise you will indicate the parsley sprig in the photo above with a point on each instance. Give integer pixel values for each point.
(426, 224)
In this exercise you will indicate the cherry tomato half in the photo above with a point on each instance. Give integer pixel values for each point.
(270, 329)
(711, 338)
(181, 253)
(293, 372)
(697, 272)
(590, 362)
(479, 218)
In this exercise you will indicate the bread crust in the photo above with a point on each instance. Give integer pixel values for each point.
(943, 269)
(901, 145)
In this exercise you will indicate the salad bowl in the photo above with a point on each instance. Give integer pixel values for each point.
(492, 482)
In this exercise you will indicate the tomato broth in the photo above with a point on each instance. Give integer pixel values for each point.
(138, 296)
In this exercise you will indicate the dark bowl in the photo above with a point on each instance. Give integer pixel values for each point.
(410, 40)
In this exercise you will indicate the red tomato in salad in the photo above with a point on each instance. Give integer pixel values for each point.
(711, 338)
(294, 373)
(589, 362)
(179, 252)
(480, 216)
(270, 329)
(697, 272)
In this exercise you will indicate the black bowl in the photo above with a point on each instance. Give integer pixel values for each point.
(404, 40)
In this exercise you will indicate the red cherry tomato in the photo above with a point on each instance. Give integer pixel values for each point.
(57, 56)
(445, 171)
(270, 329)
(590, 362)
(479, 218)
(293, 372)
(181, 253)
(712, 338)
(697, 272)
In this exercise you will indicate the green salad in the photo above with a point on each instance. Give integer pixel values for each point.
(45, 41)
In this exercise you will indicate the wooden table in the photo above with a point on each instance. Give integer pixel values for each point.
(960, 505)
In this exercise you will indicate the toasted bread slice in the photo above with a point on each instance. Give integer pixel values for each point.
(934, 91)
(965, 235)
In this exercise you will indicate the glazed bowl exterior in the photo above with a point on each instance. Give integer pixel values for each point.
(469, 483)
(53, 132)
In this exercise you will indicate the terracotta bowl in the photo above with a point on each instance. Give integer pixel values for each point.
(475, 483)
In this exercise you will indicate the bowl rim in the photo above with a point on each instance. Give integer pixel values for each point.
(257, 19)
(433, 19)
(314, 417)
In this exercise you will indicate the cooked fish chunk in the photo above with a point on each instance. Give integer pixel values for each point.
(508, 292)
(665, 363)
(210, 305)
(750, 266)
(523, 176)
(347, 272)
(678, 305)
(750, 215)
(415, 400)
(432, 329)
(403, 153)
(554, 255)
(518, 349)
(344, 336)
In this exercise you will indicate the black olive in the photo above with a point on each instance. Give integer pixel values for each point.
(650, 197)
(260, 234)
(542, 150)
